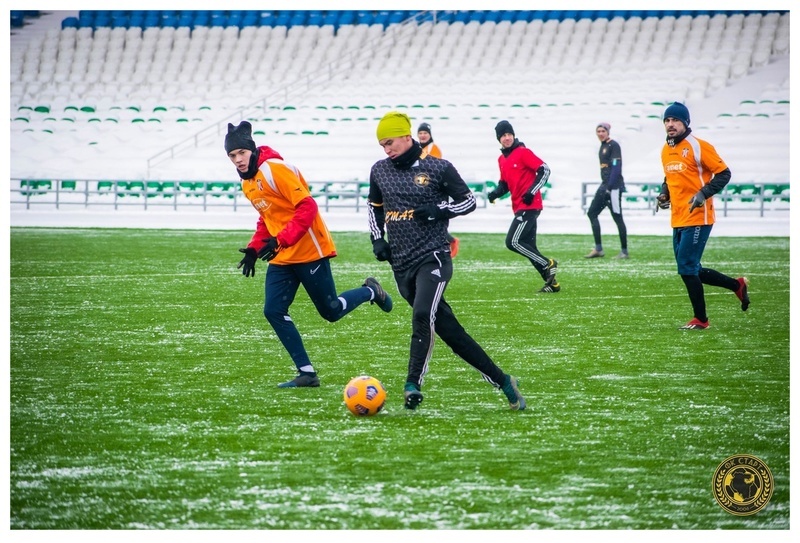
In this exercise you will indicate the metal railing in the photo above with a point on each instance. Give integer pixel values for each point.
(761, 197)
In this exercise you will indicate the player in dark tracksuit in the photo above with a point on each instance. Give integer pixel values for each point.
(410, 203)
(609, 193)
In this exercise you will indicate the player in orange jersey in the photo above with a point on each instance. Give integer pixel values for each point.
(292, 236)
(693, 174)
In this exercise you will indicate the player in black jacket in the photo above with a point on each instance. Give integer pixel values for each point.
(409, 203)
(609, 193)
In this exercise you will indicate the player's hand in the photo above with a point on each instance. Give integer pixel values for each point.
(248, 263)
(492, 196)
(698, 200)
(662, 202)
(430, 212)
(381, 250)
(527, 198)
(270, 250)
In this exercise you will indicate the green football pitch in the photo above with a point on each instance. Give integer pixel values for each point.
(143, 390)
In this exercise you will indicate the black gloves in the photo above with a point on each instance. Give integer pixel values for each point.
(527, 198)
(380, 247)
(662, 200)
(492, 196)
(248, 263)
(430, 212)
(698, 200)
(270, 250)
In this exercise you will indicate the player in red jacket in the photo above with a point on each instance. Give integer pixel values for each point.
(523, 174)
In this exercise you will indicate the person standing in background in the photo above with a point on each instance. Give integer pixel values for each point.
(609, 193)
(693, 174)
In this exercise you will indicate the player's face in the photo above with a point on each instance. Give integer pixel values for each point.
(507, 140)
(674, 127)
(394, 147)
(240, 158)
(423, 137)
(602, 133)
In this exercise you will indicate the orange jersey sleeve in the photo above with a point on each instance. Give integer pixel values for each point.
(431, 150)
(688, 167)
(275, 192)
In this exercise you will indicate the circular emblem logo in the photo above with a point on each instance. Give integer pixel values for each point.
(742, 485)
(422, 179)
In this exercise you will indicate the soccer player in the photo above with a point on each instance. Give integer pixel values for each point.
(609, 193)
(410, 204)
(292, 236)
(523, 174)
(429, 148)
(693, 174)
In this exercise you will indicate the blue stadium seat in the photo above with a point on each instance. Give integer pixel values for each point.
(69, 22)
(315, 18)
(267, 18)
(381, 17)
(282, 18)
(17, 19)
(186, 19)
(251, 18)
(235, 18)
(299, 18)
(202, 18)
(120, 21)
(492, 16)
(331, 18)
(347, 18)
(397, 17)
(364, 17)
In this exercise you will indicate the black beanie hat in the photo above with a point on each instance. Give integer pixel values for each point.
(239, 137)
(676, 110)
(425, 127)
(504, 127)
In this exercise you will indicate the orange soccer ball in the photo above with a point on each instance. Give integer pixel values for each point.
(364, 396)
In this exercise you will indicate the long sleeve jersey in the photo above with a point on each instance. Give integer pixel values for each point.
(611, 165)
(522, 171)
(394, 193)
(286, 211)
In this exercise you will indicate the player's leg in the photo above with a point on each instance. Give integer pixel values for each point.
(280, 288)
(317, 279)
(688, 245)
(521, 238)
(595, 208)
(615, 206)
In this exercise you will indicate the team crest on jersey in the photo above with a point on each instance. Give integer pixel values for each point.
(685, 153)
(260, 186)
(422, 179)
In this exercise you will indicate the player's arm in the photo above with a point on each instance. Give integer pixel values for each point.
(541, 177)
(614, 166)
(497, 192)
(463, 200)
(376, 218)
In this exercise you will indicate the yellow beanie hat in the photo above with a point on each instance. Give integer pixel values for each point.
(393, 125)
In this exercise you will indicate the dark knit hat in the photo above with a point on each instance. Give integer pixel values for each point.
(424, 127)
(676, 110)
(239, 137)
(504, 127)
(605, 125)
